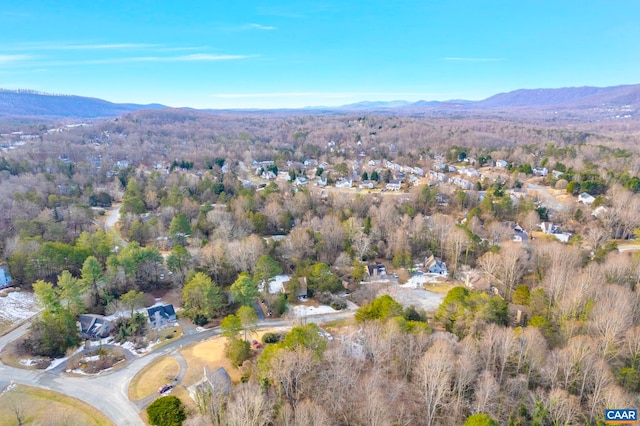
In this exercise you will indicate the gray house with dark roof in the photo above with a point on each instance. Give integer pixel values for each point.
(94, 326)
(161, 316)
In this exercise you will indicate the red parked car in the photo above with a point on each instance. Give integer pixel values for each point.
(165, 388)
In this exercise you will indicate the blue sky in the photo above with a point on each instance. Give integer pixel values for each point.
(298, 53)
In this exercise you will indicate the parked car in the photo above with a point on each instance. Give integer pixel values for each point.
(165, 388)
(256, 344)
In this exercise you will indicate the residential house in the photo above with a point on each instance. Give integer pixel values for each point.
(161, 316)
(461, 183)
(434, 265)
(471, 172)
(268, 174)
(442, 200)
(437, 176)
(551, 229)
(540, 171)
(367, 184)
(376, 269)
(501, 163)
(283, 175)
(5, 278)
(322, 181)
(302, 291)
(586, 198)
(216, 382)
(301, 180)
(394, 185)
(94, 326)
(344, 183)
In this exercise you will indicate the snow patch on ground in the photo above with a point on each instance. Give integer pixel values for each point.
(28, 362)
(416, 281)
(92, 358)
(18, 306)
(56, 362)
(304, 311)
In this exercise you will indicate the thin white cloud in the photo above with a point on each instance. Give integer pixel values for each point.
(81, 46)
(463, 59)
(262, 27)
(7, 59)
(196, 57)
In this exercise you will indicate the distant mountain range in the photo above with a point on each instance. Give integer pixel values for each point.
(27, 103)
(580, 101)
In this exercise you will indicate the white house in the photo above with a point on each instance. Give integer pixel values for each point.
(501, 163)
(586, 198)
(540, 171)
(394, 185)
(367, 184)
(344, 183)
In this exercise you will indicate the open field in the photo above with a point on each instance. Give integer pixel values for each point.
(43, 407)
(154, 375)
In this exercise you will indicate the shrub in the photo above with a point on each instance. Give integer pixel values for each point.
(166, 411)
(480, 419)
(199, 319)
(338, 304)
(271, 338)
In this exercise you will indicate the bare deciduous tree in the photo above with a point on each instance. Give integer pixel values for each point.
(434, 374)
(249, 406)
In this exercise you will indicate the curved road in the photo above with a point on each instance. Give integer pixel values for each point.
(108, 392)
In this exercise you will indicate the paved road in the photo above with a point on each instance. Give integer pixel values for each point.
(112, 218)
(108, 392)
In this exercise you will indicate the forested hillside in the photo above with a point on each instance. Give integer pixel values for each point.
(540, 319)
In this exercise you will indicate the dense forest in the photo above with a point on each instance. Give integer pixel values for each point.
(540, 332)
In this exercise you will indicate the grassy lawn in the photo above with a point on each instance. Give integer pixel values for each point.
(165, 335)
(339, 323)
(440, 288)
(154, 375)
(39, 406)
(208, 353)
(6, 326)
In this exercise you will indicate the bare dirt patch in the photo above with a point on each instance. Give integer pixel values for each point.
(39, 406)
(154, 375)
